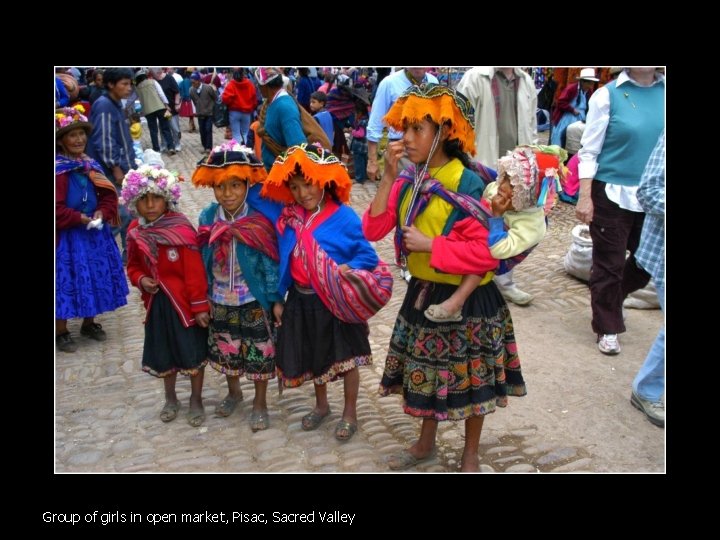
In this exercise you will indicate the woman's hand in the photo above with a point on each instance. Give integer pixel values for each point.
(149, 285)
(85, 219)
(343, 268)
(97, 215)
(416, 241)
(203, 319)
(584, 209)
(278, 309)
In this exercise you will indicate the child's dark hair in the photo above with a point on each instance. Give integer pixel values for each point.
(451, 147)
(319, 96)
(134, 118)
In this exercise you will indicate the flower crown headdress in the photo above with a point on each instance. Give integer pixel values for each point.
(67, 118)
(150, 179)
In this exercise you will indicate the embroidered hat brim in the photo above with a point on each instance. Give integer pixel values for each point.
(218, 167)
(316, 164)
(441, 104)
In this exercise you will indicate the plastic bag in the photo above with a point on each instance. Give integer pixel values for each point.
(221, 115)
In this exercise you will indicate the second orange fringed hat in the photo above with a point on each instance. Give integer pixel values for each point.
(316, 164)
(229, 160)
(441, 104)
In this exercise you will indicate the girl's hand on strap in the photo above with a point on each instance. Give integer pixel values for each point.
(416, 241)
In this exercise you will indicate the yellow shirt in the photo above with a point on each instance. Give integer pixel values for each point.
(431, 222)
(136, 130)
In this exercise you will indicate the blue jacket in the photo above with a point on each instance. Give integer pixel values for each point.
(110, 142)
(340, 236)
(259, 270)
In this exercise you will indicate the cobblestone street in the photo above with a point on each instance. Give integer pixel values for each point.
(577, 415)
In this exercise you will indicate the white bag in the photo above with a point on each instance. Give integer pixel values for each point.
(643, 298)
(578, 259)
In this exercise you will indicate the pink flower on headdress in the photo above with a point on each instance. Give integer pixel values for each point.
(150, 179)
(68, 115)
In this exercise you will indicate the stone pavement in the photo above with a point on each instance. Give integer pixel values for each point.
(576, 416)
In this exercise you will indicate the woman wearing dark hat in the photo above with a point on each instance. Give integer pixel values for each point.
(572, 105)
(89, 272)
(458, 371)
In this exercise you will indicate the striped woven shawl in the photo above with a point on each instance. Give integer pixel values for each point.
(172, 229)
(254, 231)
(352, 296)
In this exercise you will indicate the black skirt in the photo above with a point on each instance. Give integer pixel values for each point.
(315, 345)
(169, 346)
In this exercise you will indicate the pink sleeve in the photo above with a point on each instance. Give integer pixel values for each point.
(377, 227)
(464, 251)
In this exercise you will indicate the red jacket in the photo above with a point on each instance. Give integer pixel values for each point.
(240, 96)
(181, 274)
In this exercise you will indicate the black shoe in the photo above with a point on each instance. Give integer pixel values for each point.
(93, 331)
(65, 342)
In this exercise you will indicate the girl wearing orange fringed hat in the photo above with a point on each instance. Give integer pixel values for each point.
(441, 235)
(331, 271)
(239, 249)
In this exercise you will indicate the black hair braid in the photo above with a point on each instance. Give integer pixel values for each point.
(452, 149)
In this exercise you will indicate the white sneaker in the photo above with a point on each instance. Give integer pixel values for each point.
(406, 275)
(516, 296)
(609, 344)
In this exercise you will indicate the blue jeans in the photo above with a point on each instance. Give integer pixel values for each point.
(240, 124)
(360, 167)
(205, 126)
(649, 383)
(153, 119)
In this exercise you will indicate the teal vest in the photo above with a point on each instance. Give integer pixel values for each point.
(637, 116)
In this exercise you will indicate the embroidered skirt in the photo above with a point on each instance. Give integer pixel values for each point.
(314, 345)
(169, 346)
(453, 371)
(240, 341)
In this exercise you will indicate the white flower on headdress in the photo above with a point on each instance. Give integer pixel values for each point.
(150, 179)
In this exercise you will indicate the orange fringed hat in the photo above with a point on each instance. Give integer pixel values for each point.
(316, 164)
(229, 160)
(441, 104)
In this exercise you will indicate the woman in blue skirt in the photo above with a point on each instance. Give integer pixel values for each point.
(89, 274)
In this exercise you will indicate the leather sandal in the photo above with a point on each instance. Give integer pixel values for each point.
(404, 460)
(227, 406)
(259, 420)
(345, 430)
(169, 411)
(313, 419)
(196, 417)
